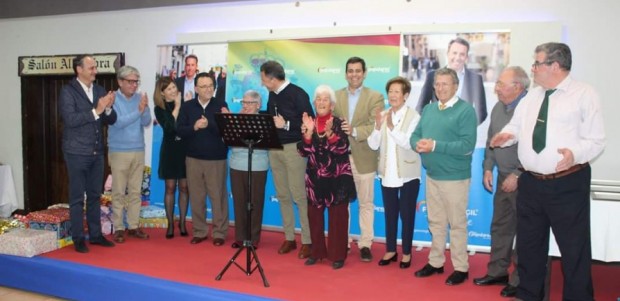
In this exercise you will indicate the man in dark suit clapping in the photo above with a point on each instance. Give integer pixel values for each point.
(84, 108)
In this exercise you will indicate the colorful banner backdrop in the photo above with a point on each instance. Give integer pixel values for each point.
(312, 62)
(309, 63)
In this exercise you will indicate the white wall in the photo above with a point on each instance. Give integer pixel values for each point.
(138, 32)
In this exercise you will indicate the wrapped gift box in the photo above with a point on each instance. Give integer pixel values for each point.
(7, 224)
(106, 220)
(152, 212)
(63, 242)
(28, 242)
(161, 222)
(56, 215)
(62, 229)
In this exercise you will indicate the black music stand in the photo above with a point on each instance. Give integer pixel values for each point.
(251, 131)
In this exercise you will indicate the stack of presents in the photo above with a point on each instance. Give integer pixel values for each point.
(50, 229)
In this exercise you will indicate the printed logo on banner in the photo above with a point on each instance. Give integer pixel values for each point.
(421, 206)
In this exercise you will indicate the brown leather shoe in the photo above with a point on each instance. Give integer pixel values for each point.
(218, 242)
(137, 233)
(304, 252)
(287, 246)
(119, 236)
(197, 240)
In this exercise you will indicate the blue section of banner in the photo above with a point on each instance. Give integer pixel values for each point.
(479, 212)
(244, 59)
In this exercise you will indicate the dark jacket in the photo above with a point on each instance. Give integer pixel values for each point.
(82, 134)
(472, 92)
(203, 144)
(290, 103)
(180, 82)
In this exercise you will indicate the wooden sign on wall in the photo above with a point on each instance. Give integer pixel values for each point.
(107, 63)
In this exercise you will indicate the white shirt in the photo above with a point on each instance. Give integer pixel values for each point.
(89, 93)
(188, 86)
(395, 137)
(574, 121)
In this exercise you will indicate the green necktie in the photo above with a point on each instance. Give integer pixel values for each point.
(539, 137)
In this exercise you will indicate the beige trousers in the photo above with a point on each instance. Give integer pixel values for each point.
(365, 187)
(446, 202)
(127, 173)
(207, 178)
(289, 171)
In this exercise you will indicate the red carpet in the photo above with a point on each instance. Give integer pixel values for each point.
(177, 260)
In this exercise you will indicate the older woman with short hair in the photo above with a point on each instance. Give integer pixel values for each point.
(238, 161)
(399, 168)
(329, 181)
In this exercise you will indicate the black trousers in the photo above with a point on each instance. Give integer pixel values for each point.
(563, 205)
(400, 201)
(85, 176)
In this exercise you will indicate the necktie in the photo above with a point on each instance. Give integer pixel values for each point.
(539, 136)
(442, 107)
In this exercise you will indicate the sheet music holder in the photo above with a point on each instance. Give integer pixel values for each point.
(251, 131)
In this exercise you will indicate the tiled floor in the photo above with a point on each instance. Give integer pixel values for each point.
(10, 294)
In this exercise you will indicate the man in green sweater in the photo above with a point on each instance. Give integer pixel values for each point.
(445, 139)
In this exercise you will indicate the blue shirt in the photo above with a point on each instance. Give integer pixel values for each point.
(239, 159)
(353, 99)
(127, 133)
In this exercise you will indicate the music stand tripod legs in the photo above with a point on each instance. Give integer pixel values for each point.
(251, 255)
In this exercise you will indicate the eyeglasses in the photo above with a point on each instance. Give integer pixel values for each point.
(537, 63)
(206, 87)
(248, 102)
(132, 81)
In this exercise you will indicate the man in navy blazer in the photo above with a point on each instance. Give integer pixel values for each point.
(84, 108)
(471, 88)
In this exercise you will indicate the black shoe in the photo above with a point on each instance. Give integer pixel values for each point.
(182, 229)
(457, 278)
(102, 242)
(383, 262)
(310, 261)
(489, 280)
(170, 232)
(365, 254)
(80, 246)
(338, 264)
(405, 264)
(509, 291)
(428, 270)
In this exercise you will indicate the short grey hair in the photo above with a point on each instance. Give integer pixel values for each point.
(325, 89)
(520, 76)
(255, 96)
(447, 71)
(125, 71)
(557, 52)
